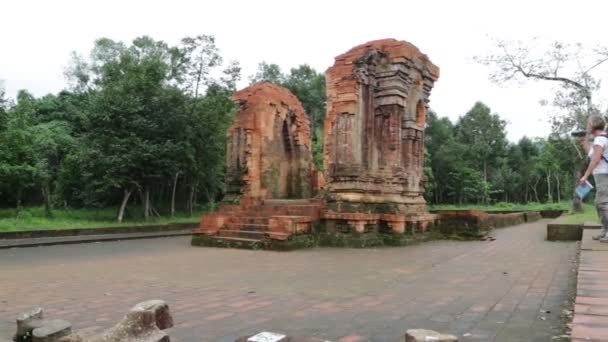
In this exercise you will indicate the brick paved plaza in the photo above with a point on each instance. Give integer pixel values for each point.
(488, 290)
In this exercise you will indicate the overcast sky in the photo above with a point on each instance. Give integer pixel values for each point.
(36, 38)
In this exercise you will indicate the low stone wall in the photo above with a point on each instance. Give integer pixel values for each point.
(532, 216)
(564, 232)
(506, 220)
(474, 224)
(551, 213)
(97, 231)
(468, 224)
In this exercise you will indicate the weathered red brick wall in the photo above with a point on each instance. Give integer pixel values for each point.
(377, 99)
(269, 145)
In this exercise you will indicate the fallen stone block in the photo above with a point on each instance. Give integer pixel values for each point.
(423, 335)
(145, 322)
(27, 322)
(564, 232)
(52, 331)
(266, 336)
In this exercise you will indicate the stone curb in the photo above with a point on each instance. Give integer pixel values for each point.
(66, 240)
(44, 233)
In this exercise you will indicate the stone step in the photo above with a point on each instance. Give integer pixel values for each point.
(246, 234)
(237, 242)
(247, 226)
(286, 201)
(296, 218)
(249, 219)
(284, 210)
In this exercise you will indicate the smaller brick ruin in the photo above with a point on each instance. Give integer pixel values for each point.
(269, 146)
(271, 178)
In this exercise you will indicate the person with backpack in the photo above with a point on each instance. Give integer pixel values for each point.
(598, 166)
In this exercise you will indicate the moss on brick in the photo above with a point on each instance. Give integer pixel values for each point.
(204, 240)
(467, 227)
(294, 242)
(270, 180)
(352, 240)
(404, 239)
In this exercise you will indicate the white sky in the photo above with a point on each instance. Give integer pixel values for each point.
(36, 38)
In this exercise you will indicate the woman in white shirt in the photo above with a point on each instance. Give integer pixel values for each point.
(598, 166)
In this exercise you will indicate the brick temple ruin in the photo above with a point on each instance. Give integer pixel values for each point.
(372, 186)
(377, 100)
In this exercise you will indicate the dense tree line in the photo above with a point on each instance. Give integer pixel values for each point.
(140, 123)
(471, 161)
(144, 123)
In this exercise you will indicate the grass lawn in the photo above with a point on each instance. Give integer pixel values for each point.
(34, 219)
(589, 215)
(506, 207)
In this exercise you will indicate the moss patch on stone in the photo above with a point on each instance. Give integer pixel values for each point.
(405, 239)
(352, 240)
(203, 240)
(294, 242)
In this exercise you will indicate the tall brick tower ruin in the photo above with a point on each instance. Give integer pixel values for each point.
(377, 101)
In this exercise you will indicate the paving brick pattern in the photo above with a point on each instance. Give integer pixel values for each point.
(486, 291)
(591, 309)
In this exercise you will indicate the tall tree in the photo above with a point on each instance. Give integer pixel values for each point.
(484, 134)
(200, 57)
(4, 105)
(211, 118)
(127, 139)
(571, 66)
(308, 86)
(17, 157)
(267, 72)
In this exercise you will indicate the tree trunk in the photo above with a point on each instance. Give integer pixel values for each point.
(123, 205)
(559, 199)
(46, 194)
(19, 194)
(198, 79)
(536, 190)
(173, 194)
(549, 199)
(485, 171)
(191, 199)
(146, 203)
(577, 203)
